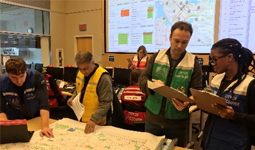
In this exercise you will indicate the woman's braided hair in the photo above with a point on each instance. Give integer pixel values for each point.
(242, 56)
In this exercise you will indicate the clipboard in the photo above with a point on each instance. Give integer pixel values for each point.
(168, 92)
(129, 61)
(204, 101)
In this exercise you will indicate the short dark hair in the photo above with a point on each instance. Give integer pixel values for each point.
(134, 75)
(16, 66)
(142, 48)
(182, 26)
(83, 56)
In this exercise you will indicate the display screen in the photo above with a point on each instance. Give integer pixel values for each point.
(132, 23)
(237, 20)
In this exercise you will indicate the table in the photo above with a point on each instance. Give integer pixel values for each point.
(35, 124)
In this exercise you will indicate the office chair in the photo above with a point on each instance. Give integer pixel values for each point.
(71, 66)
(115, 115)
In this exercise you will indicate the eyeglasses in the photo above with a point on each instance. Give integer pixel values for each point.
(214, 60)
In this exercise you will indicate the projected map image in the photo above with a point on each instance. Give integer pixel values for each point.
(198, 13)
(132, 23)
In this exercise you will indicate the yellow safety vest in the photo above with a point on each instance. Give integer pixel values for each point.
(90, 99)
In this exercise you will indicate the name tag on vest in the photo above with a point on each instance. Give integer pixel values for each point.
(133, 98)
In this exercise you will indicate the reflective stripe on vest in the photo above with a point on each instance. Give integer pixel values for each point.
(142, 63)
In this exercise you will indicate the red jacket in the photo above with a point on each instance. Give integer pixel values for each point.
(53, 102)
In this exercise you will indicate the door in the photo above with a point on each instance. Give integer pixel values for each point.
(84, 43)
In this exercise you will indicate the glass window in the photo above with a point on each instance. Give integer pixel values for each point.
(23, 46)
(25, 20)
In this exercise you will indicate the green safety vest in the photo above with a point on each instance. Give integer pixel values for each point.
(181, 78)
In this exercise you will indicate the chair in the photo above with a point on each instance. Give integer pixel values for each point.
(115, 116)
(69, 66)
(38, 67)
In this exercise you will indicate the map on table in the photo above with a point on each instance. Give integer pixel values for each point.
(69, 134)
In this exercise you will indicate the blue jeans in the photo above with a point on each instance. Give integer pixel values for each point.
(170, 133)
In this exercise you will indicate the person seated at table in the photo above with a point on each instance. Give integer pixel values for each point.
(139, 61)
(133, 103)
(24, 94)
(95, 86)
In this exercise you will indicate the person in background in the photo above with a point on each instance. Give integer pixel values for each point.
(133, 103)
(139, 61)
(176, 68)
(95, 86)
(24, 94)
(234, 126)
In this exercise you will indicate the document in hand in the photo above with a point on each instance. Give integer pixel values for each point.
(78, 107)
(204, 100)
(130, 61)
(168, 92)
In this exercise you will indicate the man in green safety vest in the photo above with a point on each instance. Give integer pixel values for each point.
(176, 68)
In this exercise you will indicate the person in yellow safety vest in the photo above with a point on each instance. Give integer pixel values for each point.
(95, 86)
(139, 61)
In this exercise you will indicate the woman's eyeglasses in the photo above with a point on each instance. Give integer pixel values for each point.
(214, 60)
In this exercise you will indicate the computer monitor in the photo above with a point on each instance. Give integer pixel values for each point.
(28, 66)
(56, 73)
(70, 74)
(38, 67)
(206, 70)
(109, 70)
(122, 76)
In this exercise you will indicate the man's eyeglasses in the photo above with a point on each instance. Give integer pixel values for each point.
(214, 60)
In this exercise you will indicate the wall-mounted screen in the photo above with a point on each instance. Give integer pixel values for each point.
(237, 20)
(131, 23)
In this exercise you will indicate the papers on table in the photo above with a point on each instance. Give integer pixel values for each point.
(78, 107)
(168, 92)
(204, 100)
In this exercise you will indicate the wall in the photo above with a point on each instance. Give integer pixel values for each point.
(65, 19)
(57, 28)
(36, 3)
(120, 60)
(45, 51)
